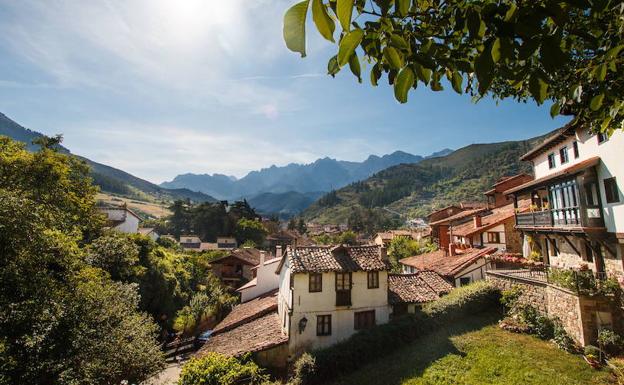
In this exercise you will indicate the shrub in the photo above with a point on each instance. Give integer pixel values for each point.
(592, 352)
(368, 345)
(509, 298)
(303, 370)
(563, 340)
(610, 342)
(538, 324)
(217, 369)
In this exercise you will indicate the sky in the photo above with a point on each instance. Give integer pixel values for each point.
(159, 88)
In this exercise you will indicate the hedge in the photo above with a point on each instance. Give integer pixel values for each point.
(368, 345)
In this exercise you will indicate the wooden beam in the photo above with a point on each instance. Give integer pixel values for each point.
(572, 245)
(608, 248)
(553, 244)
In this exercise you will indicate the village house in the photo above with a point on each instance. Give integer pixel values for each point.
(121, 218)
(384, 238)
(284, 238)
(325, 294)
(442, 219)
(149, 232)
(190, 242)
(264, 279)
(235, 268)
(575, 223)
(459, 266)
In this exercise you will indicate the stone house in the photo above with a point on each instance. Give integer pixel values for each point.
(235, 268)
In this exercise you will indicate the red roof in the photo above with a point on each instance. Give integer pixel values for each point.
(248, 255)
(320, 259)
(490, 219)
(419, 287)
(458, 216)
(447, 265)
(248, 311)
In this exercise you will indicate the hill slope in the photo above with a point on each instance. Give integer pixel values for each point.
(416, 189)
(285, 205)
(109, 179)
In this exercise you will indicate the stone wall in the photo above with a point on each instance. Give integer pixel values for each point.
(564, 306)
(513, 238)
(533, 293)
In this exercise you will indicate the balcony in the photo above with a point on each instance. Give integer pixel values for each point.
(566, 217)
(343, 297)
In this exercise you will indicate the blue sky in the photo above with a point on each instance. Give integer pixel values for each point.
(163, 87)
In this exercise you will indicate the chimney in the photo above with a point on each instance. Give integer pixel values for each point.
(262, 257)
(383, 254)
(452, 248)
(477, 221)
(278, 251)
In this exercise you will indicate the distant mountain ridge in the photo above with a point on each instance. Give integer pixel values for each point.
(322, 175)
(109, 179)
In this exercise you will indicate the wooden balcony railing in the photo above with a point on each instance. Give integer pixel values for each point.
(535, 219)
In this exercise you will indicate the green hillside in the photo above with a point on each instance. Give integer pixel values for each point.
(109, 179)
(417, 189)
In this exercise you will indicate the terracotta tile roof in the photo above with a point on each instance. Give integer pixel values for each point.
(319, 259)
(419, 287)
(447, 265)
(571, 170)
(249, 284)
(248, 311)
(249, 255)
(490, 219)
(458, 216)
(257, 335)
(145, 230)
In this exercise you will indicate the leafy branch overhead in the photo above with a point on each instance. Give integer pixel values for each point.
(569, 52)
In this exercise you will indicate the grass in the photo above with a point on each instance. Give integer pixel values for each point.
(142, 208)
(478, 352)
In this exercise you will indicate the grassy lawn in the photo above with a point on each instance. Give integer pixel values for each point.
(477, 353)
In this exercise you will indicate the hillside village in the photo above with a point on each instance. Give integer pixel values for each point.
(553, 236)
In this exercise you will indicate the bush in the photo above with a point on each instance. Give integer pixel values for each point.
(610, 342)
(217, 369)
(563, 340)
(368, 345)
(303, 370)
(509, 298)
(592, 352)
(538, 324)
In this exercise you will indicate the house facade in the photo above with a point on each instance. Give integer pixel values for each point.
(264, 278)
(121, 219)
(236, 267)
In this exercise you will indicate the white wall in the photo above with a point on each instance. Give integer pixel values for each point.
(284, 298)
(309, 305)
(611, 165)
(266, 280)
(476, 272)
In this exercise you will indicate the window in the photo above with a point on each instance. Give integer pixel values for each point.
(575, 149)
(602, 137)
(343, 289)
(323, 325)
(373, 279)
(611, 190)
(563, 155)
(551, 161)
(463, 281)
(591, 194)
(364, 319)
(316, 283)
(564, 203)
(493, 237)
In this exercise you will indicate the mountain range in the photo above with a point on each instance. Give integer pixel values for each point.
(324, 174)
(415, 190)
(109, 179)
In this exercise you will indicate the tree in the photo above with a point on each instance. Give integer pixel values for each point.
(569, 52)
(68, 321)
(301, 226)
(116, 254)
(250, 230)
(292, 224)
(348, 238)
(180, 221)
(403, 247)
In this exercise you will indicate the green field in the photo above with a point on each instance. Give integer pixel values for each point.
(478, 352)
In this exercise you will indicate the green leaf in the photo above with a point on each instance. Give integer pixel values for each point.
(495, 50)
(393, 57)
(613, 52)
(354, 65)
(398, 41)
(538, 88)
(511, 12)
(456, 81)
(596, 102)
(423, 73)
(324, 23)
(404, 81)
(601, 72)
(332, 66)
(551, 55)
(476, 26)
(294, 27)
(375, 75)
(348, 44)
(344, 10)
(555, 109)
(402, 7)
(484, 69)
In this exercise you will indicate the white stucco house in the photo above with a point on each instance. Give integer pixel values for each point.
(121, 219)
(265, 278)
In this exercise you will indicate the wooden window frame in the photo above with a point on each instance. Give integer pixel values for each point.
(564, 155)
(324, 325)
(463, 281)
(343, 291)
(602, 137)
(364, 319)
(612, 194)
(575, 149)
(315, 283)
(496, 234)
(372, 278)
(552, 161)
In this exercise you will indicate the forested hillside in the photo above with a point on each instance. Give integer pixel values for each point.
(416, 189)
